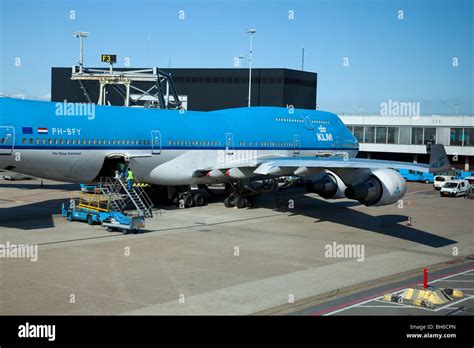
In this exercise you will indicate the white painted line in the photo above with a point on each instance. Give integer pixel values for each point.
(386, 307)
(450, 276)
(351, 306)
(459, 280)
(454, 303)
(395, 304)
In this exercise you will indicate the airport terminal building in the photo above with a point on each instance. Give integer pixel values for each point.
(404, 138)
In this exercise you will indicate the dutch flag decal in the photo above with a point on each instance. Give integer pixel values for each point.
(42, 130)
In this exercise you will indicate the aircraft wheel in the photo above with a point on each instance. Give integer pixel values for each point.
(198, 200)
(227, 203)
(249, 202)
(239, 202)
(188, 201)
(176, 201)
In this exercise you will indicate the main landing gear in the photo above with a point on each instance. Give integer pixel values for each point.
(238, 198)
(188, 199)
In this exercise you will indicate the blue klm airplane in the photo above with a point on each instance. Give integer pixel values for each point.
(180, 149)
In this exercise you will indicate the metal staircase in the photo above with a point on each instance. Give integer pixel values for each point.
(120, 195)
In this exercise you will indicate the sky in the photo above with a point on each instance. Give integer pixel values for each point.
(366, 52)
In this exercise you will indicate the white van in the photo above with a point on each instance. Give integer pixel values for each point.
(439, 180)
(455, 188)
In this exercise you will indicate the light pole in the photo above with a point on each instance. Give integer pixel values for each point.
(81, 35)
(251, 32)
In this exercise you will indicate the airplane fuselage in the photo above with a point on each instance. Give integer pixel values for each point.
(164, 147)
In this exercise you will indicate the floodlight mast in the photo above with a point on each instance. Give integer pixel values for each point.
(250, 32)
(81, 35)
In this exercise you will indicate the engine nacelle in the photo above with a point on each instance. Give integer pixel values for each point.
(328, 186)
(383, 187)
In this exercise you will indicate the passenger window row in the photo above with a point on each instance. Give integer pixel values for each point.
(267, 144)
(289, 120)
(194, 143)
(68, 141)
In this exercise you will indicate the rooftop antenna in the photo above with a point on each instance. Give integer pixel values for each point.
(81, 35)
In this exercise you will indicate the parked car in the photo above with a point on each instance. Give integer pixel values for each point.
(455, 188)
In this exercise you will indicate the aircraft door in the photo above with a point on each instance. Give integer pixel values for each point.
(296, 144)
(7, 140)
(308, 123)
(229, 143)
(155, 142)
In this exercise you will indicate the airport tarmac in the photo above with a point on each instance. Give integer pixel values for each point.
(272, 259)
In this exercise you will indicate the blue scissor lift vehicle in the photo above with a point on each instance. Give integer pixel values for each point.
(106, 204)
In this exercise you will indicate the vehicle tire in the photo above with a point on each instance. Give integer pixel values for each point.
(69, 216)
(175, 201)
(188, 201)
(228, 203)
(110, 229)
(239, 202)
(89, 220)
(198, 200)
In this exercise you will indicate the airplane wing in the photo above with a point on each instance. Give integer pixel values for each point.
(310, 162)
(439, 162)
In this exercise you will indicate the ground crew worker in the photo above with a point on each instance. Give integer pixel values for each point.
(121, 167)
(130, 178)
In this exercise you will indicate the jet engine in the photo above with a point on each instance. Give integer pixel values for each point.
(327, 186)
(383, 187)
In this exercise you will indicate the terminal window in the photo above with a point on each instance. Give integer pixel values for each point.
(417, 136)
(456, 137)
(468, 136)
(430, 135)
(392, 135)
(369, 135)
(381, 135)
